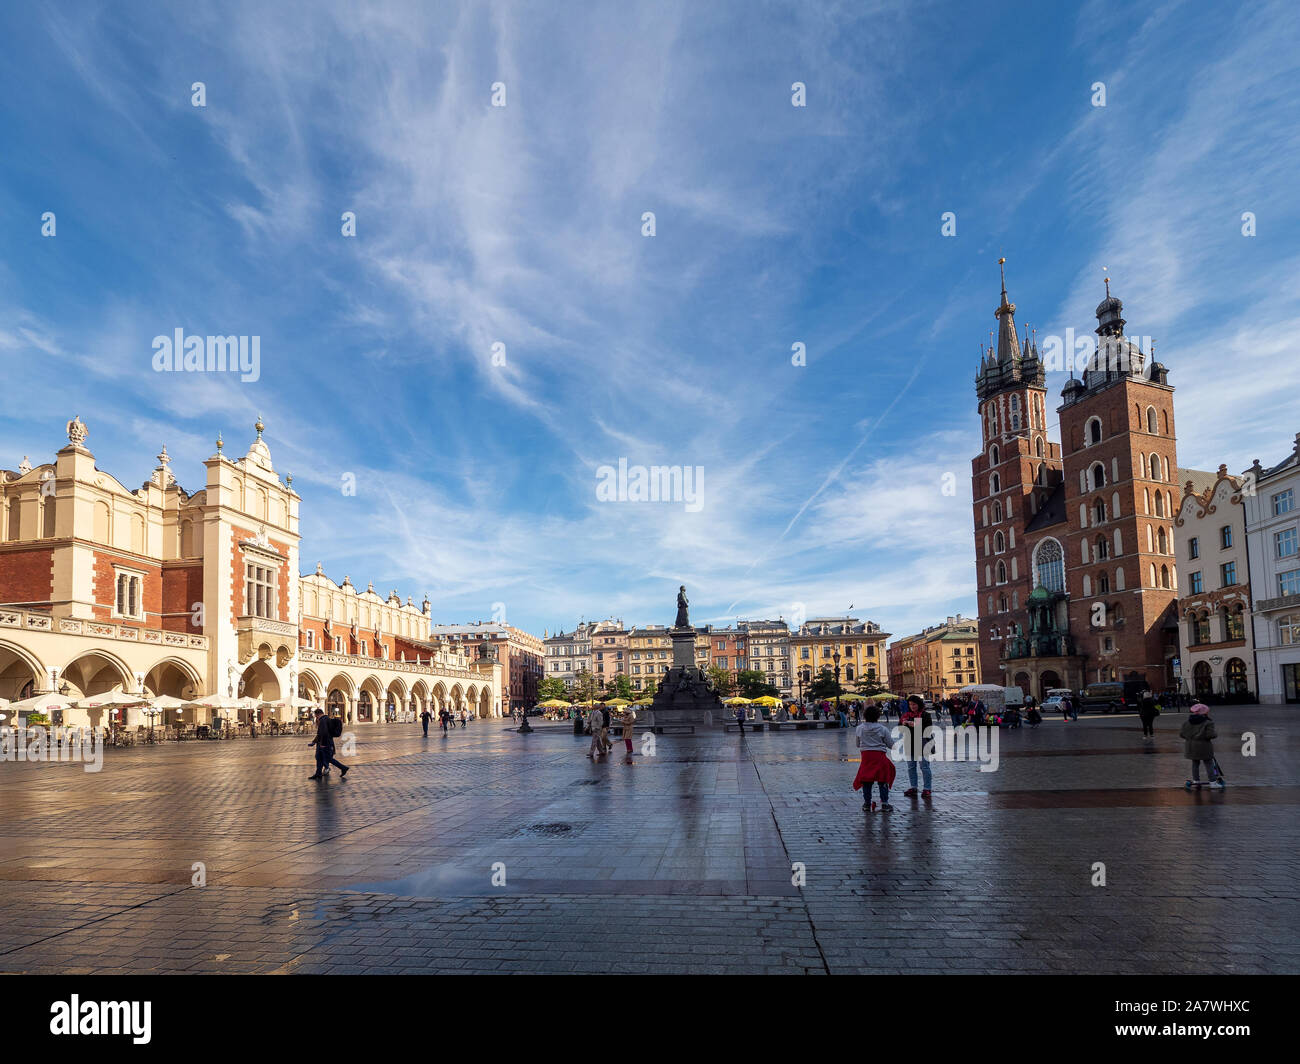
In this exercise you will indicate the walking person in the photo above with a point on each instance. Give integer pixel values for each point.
(627, 718)
(444, 716)
(425, 717)
(1148, 711)
(595, 725)
(740, 719)
(327, 728)
(604, 728)
(914, 744)
(1198, 734)
(464, 717)
(874, 740)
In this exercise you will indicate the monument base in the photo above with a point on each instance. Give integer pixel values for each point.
(687, 698)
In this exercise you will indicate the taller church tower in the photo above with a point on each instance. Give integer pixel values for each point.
(1012, 479)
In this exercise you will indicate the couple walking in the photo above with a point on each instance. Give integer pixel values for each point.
(327, 730)
(598, 721)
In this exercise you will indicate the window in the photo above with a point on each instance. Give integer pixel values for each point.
(1094, 430)
(1049, 566)
(1194, 547)
(338, 644)
(1151, 420)
(1228, 574)
(1283, 502)
(311, 639)
(1234, 624)
(1194, 583)
(128, 595)
(1225, 537)
(1200, 629)
(259, 591)
(362, 645)
(1288, 583)
(1285, 542)
(1103, 584)
(1288, 630)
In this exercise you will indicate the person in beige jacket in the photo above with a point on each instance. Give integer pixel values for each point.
(627, 718)
(596, 725)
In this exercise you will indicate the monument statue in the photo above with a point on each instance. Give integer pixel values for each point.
(686, 698)
(683, 618)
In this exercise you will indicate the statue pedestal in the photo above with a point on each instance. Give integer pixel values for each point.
(687, 699)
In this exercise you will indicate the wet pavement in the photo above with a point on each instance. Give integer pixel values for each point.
(484, 850)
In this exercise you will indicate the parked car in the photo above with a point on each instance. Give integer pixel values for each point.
(1103, 697)
(1051, 706)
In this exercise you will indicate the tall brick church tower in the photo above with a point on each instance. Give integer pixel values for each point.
(1074, 543)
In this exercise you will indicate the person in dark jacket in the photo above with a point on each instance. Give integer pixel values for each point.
(1147, 712)
(425, 717)
(1198, 735)
(324, 743)
(914, 744)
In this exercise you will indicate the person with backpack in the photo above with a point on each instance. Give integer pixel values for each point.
(1198, 734)
(327, 730)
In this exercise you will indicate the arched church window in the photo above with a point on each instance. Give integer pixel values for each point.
(1049, 565)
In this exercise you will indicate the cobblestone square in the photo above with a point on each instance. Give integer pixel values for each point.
(680, 862)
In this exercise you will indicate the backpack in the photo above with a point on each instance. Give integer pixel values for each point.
(336, 727)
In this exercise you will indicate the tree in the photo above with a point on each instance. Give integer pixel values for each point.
(584, 686)
(753, 684)
(825, 686)
(721, 680)
(550, 687)
(622, 687)
(869, 685)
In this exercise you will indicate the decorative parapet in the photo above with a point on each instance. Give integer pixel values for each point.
(44, 622)
(387, 664)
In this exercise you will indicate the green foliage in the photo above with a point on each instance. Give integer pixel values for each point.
(584, 686)
(825, 685)
(551, 687)
(622, 688)
(753, 684)
(721, 680)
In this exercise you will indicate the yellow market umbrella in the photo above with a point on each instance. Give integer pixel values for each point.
(552, 703)
(736, 701)
(618, 702)
(882, 696)
(644, 702)
(767, 700)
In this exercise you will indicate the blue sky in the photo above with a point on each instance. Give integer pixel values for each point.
(522, 225)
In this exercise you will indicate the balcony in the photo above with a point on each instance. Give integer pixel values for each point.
(263, 637)
(1282, 602)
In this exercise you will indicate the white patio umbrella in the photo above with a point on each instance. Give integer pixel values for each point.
(40, 704)
(110, 698)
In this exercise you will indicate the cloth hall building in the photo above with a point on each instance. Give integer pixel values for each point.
(158, 591)
(1075, 559)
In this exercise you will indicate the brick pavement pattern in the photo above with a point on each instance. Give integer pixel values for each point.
(679, 862)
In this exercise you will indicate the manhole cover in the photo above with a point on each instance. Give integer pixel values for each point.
(552, 830)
